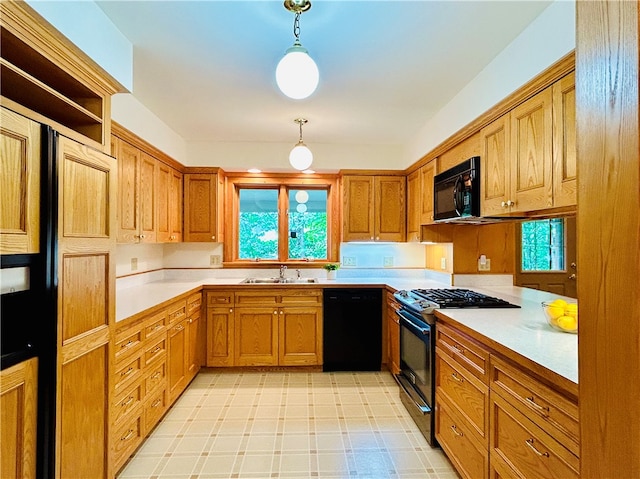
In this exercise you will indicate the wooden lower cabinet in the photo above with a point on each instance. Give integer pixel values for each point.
(177, 359)
(393, 335)
(18, 417)
(264, 327)
(498, 419)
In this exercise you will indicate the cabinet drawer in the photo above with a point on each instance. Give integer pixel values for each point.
(177, 311)
(301, 297)
(530, 451)
(194, 303)
(156, 350)
(128, 372)
(127, 401)
(128, 340)
(126, 439)
(256, 298)
(553, 412)
(454, 435)
(217, 298)
(155, 324)
(154, 408)
(467, 353)
(465, 391)
(155, 377)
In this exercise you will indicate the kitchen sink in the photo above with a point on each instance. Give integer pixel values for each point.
(280, 280)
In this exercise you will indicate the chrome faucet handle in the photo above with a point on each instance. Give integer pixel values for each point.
(298, 274)
(283, 268)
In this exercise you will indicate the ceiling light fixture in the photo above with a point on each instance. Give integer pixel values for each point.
(297, 74)
(300, 156)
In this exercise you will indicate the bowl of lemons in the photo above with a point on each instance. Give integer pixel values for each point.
(562, 315)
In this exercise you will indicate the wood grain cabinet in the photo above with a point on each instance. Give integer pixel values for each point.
(178, 349)
(169, 204)
(264, 327)
(535, 428)
(393, 334)
(195, 336)
(528, 154)
(374, 208)
(19, 184)
(414, 203)
(137, 209)
(18, 410)
(86, 256)
(462, 402)
(202, 221)
(220, 328)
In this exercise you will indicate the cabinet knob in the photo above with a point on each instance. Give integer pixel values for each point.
(572, 276)
(213, 237)
(142, 236)
(503, 204)
(372, 237)
(231, 310)
(511, 203)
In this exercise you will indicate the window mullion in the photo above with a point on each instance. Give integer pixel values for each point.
(283, 223)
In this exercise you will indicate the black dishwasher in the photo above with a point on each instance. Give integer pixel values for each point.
(352, 329)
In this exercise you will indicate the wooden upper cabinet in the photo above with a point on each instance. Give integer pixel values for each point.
(200, 207)
(564, 142)
(137, 176)
(169, 204)
(414, 203)
(494, 172)
(374, 208)
(531, 153)
(19, 184)
(427, 173)
(528, 158)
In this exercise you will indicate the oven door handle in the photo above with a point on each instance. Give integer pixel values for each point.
(408, 319)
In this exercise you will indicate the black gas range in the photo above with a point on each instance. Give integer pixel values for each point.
(425, 301)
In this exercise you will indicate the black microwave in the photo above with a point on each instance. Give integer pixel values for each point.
(456, 193)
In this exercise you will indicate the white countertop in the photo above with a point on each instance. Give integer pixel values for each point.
(523, 330)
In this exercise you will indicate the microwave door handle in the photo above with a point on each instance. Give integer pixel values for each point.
(455, 195)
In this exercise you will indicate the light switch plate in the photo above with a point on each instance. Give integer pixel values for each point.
(486, 266)
(443, 263)
(134, 264)
(215, 260)
(348, 261)
(388, 262)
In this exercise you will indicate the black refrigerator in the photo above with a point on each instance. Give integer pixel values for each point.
(28, 307)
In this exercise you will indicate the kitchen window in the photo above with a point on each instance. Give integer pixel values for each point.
(282, 220)
(543, 245)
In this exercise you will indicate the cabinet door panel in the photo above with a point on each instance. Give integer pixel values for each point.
(220, 336)
(494, 171)
(531, 148)
(564, 141)
(19, 184)
(200, 216)
(256, 336)
(358, 208)
(147, 208)
(300, 336)
(178, 356)
(427, 172)
(390, 208)
(128, 202)
(414, 202)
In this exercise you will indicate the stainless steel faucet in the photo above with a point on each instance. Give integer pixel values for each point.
(283, 268)
(298, 274)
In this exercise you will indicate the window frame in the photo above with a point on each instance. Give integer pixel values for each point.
(282, 182)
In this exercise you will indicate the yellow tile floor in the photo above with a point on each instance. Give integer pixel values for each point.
(288, 425)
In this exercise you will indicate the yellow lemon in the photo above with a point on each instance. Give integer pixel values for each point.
(567, 323)
(571, 310)
(559, 302)
(555, 311)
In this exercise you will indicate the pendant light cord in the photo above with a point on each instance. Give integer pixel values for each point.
(296, 27)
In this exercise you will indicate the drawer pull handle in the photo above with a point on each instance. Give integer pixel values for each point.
(125, 373)
(456, 378)
(156, 375)
(456, 432)
(156, 327)
(127, 402)
(127, 344)
(127, 436)
(158, 348)
(529, 442)
(179, 328)
(156, 403)
(458, 349)
(544, 410)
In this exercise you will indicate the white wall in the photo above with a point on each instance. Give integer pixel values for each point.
(86, 25)
(547, 39)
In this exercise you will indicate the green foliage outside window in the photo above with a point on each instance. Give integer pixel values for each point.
(310, 230)
(543, 245)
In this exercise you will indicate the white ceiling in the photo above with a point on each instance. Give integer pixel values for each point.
(207, 68)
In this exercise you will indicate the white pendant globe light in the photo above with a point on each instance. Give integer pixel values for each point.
(302, 196)
(297, 74)
(300, 156)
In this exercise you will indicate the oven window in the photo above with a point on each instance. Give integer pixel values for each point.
(414, 355)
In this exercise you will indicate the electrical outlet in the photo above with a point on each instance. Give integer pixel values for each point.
(215, 260)
(348, 261)
(388, 262)
(443, 263)
(484, 266)
(134, 264)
